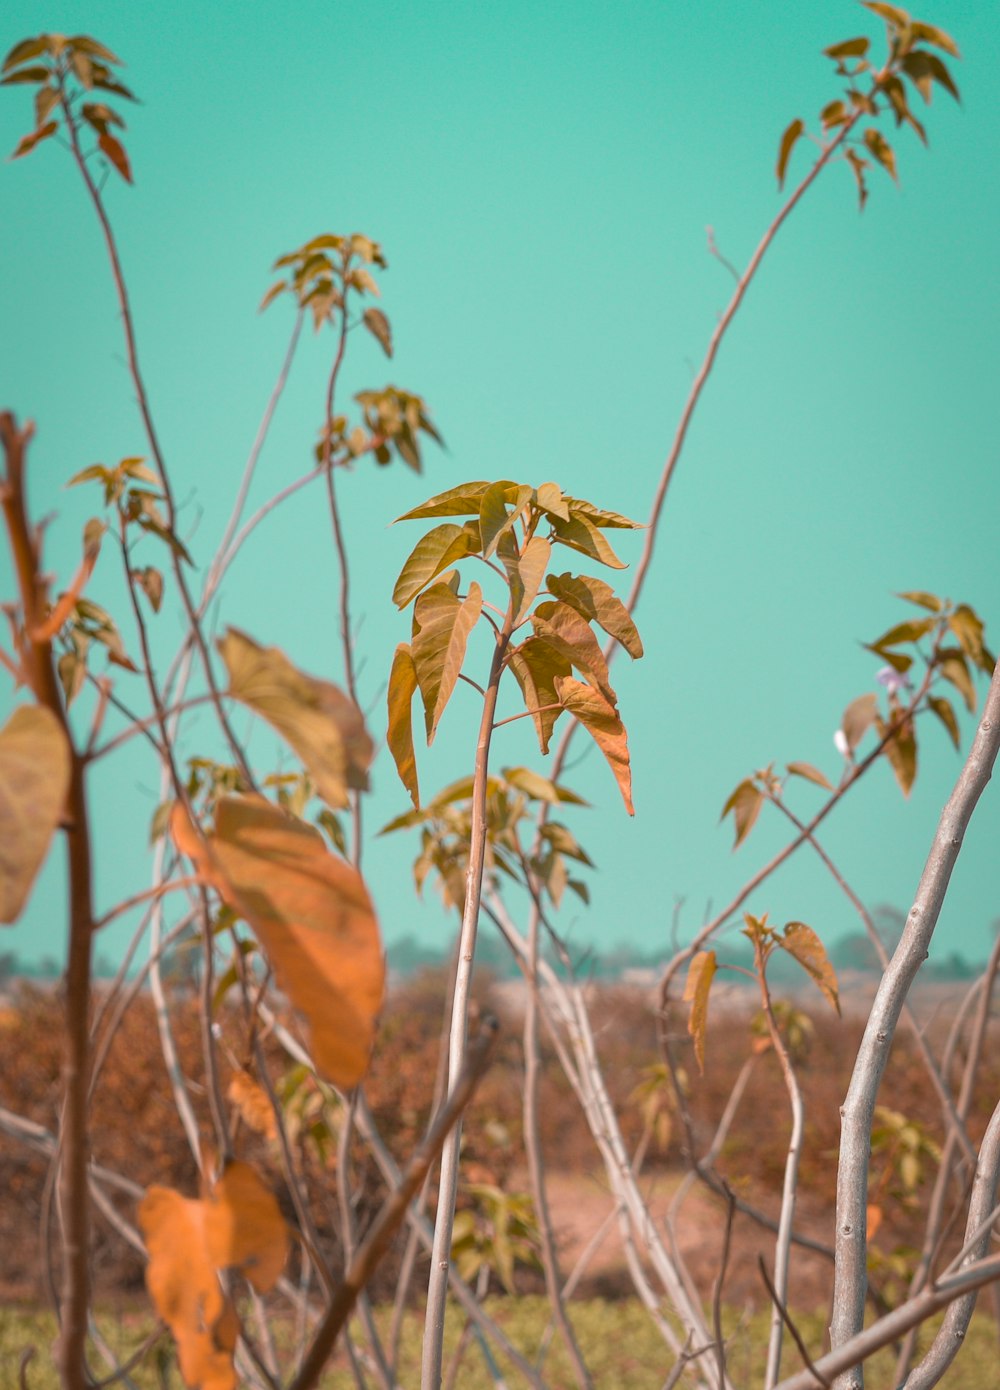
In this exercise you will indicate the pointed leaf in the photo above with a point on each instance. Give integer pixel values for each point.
(967, 626)
(494, 519)
(882, 151)
(599, 516)
(457, 501)
(848, 48)
(533, 784)
(28, 142)
(33, 74)
(402, 686)
(525, 571)
(116, 153)
(433, 553)
(953, 666)
(272, 295)
(83, 43)
(579, 533)
(892, 14)
(536, 666)
(745, 802)
(563, 841)
(311, 914)
(788, 139)
(27, 48)
(566, 630)
(698, 985)
(924, 600)
(597, 603)
(901, 751)
(811, 774)
(601, 721)
(930, 33)
(34, 780)
(945, 712)
(442, 625)
(858, 718)
(150, 581)
(378, 325)
(322, 724)
(802, 943)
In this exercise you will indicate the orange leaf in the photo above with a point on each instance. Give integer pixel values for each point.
(858, 718)
(184, 1286)
(402, 685)
(116, 153)
(604, 726)
(537, 666)
(810, 773)
(802, 943)
(244, 1228)
(569, 632)
(442, 623)
(745, 803)
(311, 914)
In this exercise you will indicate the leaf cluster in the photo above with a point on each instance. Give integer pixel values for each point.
(871, 91)
(65, 71)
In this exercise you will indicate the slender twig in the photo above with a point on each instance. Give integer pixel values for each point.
(160, 890)
(796, 1335)
(437, 1290)
(394, 1209)
(720, 1282)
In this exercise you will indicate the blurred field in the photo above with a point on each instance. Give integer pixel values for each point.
(135, 1132)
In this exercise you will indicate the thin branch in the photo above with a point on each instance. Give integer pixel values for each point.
(160, 889)
(793, 1330)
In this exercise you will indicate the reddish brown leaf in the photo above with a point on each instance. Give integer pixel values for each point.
(116, 153)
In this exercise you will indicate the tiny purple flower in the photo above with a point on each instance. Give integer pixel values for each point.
(892, 679)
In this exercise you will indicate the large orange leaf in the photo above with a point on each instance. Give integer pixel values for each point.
(34, 779)
(311, 914)
(601, 721)
(569, 632)
(537, 667)
(190, 1241)
(322, 724)
(184, 1286)
(598, 603)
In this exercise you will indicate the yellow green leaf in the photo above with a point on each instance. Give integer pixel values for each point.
(457, 501)
(442, 624)
(788, 139)
(549, 497)
(579, 533)
(802, 943)
(312, 916)
(597, 603)
(322, 724)
(494, 519)
(34, 780)
(745, 802)
(433, 553)
(537, 666)
(810, 773)
(402, 685)
(858, 718)
(698, 985)
(602, 722)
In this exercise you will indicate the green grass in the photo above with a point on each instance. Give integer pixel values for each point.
(618, 1341)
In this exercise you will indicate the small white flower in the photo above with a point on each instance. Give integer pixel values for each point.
(841, 744)
(892, 679)
(216, 1030)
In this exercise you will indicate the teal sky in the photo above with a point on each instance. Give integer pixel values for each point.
(541, 177)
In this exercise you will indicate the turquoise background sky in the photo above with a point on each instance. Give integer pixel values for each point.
(541, 177)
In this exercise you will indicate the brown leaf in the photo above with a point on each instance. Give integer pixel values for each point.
(402, 685)
(745, 802)
(441, 547)
(322, 724)
(580, 533)
(537, 666)
(378, 325)
(34, 780)
(28, 142)
(494, 518)
(953, 666)
(810, 773)
(788, 139)
(901, 751)
(525, 571)
(802, 943)
(858, 718)
(602, 722)
(463, 500)
(244, 1228)
(565, 629)
(701, 973)
(945, 712)
(310, 912)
